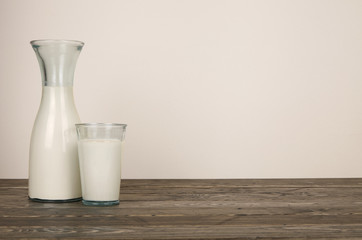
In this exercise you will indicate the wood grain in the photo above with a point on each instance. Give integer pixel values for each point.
(194, 209)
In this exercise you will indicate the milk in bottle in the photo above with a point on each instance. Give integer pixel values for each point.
(53, 161)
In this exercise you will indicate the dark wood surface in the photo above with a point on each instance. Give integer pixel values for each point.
(194, 209)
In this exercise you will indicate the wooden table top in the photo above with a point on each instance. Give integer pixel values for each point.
(194, 209)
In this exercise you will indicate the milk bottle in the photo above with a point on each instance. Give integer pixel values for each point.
(53, 161)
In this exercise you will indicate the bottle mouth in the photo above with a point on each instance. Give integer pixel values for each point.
(45, 42)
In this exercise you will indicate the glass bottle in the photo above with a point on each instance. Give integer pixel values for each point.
(53, 162)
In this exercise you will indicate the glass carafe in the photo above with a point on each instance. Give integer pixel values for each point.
(53, 162)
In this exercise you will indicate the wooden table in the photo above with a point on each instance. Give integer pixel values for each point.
(194, 209)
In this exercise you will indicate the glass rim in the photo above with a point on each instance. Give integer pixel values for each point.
(101, 125)
(42, 42)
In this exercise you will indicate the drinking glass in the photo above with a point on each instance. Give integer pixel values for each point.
(100, 150)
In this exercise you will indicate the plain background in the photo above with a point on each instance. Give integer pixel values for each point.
(209, 89)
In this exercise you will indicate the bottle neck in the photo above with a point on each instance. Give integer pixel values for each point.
(57, 105)
(57, 60)
(58, 95)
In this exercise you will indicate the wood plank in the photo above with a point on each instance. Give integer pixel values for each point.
(300, 210)
(187, 232)
(194, 209)
(179, 219)
(251, 183)
(229, 183)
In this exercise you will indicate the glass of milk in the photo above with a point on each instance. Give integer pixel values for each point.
(99, 149)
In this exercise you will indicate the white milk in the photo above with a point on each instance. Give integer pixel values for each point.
(53, 166)
(100, 165)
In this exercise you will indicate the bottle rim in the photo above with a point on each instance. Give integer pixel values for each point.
(42, 42)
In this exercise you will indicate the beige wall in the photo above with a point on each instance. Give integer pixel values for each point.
(209, 89)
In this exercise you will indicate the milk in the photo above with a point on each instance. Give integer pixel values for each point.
(100, 165)
(53, 165)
